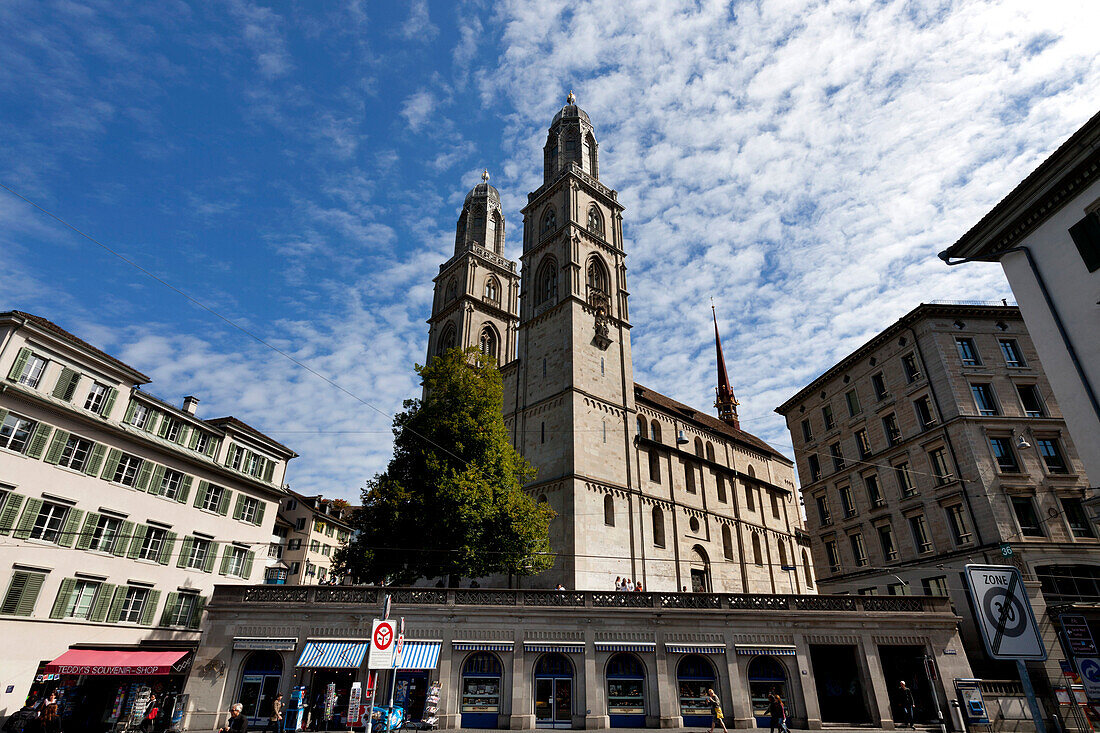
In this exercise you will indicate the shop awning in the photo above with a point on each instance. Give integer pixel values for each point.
(333, 654)
(564, 647)
(419, 655)
(778, 650)
(695, 648)
(116, 662)
(625, 646)
(482, 646)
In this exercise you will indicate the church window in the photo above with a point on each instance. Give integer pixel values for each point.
(656, 431)
(595, 220)
(642, 427)
(752, 472)
(544, 366)
(699, 447)
(689, 477)
(546, 281)
(710, 451)
(542, 432)
(749, 498)
(488, 342)
(757, 555)
(727, 542)
(590, 144)
(498, 233)
(452, 291)
(448, 339)
(552, 157)
(654, 466)
(549, 220)
(492, 290)
(571, 144)
(609, 511)
(782, 554)
(597, 276)
(658, 527)
(721, 487)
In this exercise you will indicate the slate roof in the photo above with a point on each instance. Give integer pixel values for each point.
(232, 422)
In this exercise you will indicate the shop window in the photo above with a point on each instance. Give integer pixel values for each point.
(766, 675)
(695, 675)
(481, 676)
(626, 690)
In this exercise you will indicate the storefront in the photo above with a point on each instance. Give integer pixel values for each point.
(626, 691)
(766, 675)
(694, 676)
(554, 687)
(327, 670)
(414, 668)
(261, 674)
(481, 686)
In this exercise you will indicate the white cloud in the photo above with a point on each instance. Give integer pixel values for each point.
(418, 26)
(418, 108)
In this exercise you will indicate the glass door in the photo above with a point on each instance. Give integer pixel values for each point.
(544, 708)
(251, 695)
(563, 703)
(554, 702)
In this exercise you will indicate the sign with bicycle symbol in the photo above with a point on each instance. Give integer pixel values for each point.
(1004, 612)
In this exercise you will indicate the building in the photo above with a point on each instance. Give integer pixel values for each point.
(318, 527)
(936, 444)
(1046, 235)
(118, 514)
(642, 486)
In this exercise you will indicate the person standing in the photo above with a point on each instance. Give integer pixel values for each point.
(237, 723)
(907, 704)
(275, 723)
(777, 712)
(151, 712)
(50, 715)
(715, 711)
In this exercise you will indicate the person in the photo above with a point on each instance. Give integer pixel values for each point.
(777, 712)
(560, 587)
(237, 723)
(629, 584)
(49, 715)
(907, 704)
(683, 589)
(618, 583)
(276, 720)
(639, 589)
(151, 712)
(715, 710)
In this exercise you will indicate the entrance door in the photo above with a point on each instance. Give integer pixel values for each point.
(767, 676)
(839, 690)
(554, 692)
(259, 685)
(906, 664)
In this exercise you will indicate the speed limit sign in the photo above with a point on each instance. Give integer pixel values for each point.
(1004, 612)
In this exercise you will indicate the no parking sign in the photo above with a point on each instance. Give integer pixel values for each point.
(383, 640)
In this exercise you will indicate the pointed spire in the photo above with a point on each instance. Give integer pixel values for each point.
(725, 402)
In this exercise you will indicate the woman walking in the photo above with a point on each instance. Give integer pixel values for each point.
(715, 711)
(778, 712)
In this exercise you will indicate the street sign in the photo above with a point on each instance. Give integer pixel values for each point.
(383, 638)
(398, 646)
(1078, 636)
(1090, 676)
(1004, 613)
(1006, 549)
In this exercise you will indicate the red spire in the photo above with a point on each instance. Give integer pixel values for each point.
(725, 402)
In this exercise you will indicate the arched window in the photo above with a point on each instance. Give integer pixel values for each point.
(259, 681)
(658, 527)
(498, 233)
(488, 342)
(595, 220)
(551, 157)
(757, 555)
(699, 565)
(597, 276)
(448, 339)
(689, 477)
(727, 542)
(710, 451)
(609, 511)
(492, 290)
(549, 220)
(546, 281)
(654, 466)
(782, 553)
(643, 427)
(721, 482)
(807, 569)
(656, 431)
(699, 447)
(452, 291)
(750, 498)
(590, 144)
(752, 471)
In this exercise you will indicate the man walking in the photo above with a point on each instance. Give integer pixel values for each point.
(907, 704)
(275, 723)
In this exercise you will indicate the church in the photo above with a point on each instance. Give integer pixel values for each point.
(642, 486)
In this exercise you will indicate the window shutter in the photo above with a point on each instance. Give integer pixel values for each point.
(139, 537)
(200, 495)
(10, 512)
(182, 437)
(171, 607)
(259, 518)
(151, 420)
(144, 473)
(164, 425)
(167, 547)
(196, 613)
(238, 510)
(38, 442)
(269, 471)
(246, 570)
(230, 453)
(102, 601)
(156, 482)
(15, 591)
(185, 489)
(185, 551)
(84, 541)
(223, 503)
(149, 610)
(195, 433)
(113, 457)
(26, 522)
(211, 554)
(64, 593)
(116, 604)
(122, 540)
(71, 527)
(109, 402)
(66, 384)
(95, 459)
(20, 362)
(227, 551)
(57, 445)
(130, 410)
(212, 447)
(22, 593)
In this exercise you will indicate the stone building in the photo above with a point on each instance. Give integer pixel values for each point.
(118, 514)
(935, 444)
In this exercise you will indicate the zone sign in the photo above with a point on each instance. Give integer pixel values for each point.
(1003, 612)
(383, 640)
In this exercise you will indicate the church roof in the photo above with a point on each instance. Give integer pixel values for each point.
(483, 190)
(705, 421)
(570, 110)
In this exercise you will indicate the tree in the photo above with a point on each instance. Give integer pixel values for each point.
(450, 502)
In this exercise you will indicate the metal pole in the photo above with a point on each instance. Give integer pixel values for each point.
(1036, 714)
(928, 662)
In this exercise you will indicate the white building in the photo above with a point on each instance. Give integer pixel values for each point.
(118, 514)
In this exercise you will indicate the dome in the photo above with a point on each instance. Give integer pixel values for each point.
(571, 111)
(482, 191)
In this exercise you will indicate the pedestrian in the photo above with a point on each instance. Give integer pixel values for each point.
(683, 589)
(276, 721)
(237, 723)
(629, 584)
(715, 711)
(777, 712)
(907, 704)
(639, 589)
(151, 712)
(49, 714)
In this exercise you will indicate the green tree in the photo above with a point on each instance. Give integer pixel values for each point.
(450, 503)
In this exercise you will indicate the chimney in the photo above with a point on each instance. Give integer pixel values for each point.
(190, 403)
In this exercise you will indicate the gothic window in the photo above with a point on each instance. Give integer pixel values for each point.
(590, 144)
(488, 342)
(654, 466)
(492, 290)
(595, 220)
(549, 220)
(658, 527)
(448, 339)
(460, 231)
(498, 233)
(699, 447)
(452, 291)
(710, 451)
(609, 511)
(551, 156)
(806, 569)
(597, 276)
(546, 281)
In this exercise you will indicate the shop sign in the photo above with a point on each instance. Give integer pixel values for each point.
(95, 670)
(260, 644)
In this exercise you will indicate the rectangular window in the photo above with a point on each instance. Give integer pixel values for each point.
(133, 605)
(807, 432)
(919, 528)
(170, 484)
(75, 453)
(1051, 451)
(956, 520)
(105, 534)
(984, 399)
(213, 498)
(852, 399)
(750, 501)
(909, 365)
(846, 502)
(905, 480)
(872, 591)
(97, 395)
(185, 607)
(300, 524)
(295, 568)
(202, 442)
(654, 467)
(326, 550)
(823, 510)
(1011, 351)
(833, 556)
(886, 540)
(291, 504)
(968, 353)
(838, 457)
(925, 416)
(863, 444)
(899, 589)
(126, 472)
(248, 509)
(1028, 520)
(48, 523)
(890, 430)
(236, 456)
(937, 458)
(1086, 237)
(827, 415)
(171, 430)
(936, 586)
(874, 491)
(15, 432)
(199, 552)
(140, 416)
(1005, 455)
(775, 505)
(235, 562)
(689, 477)
(878, 384)
(152, 544)
(315, 546)
(32, 371)
(1077, 519)
(80, 601)
(815, 468)
(858, 550)
(1030, 400)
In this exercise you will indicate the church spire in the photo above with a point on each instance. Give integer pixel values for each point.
(725, 402)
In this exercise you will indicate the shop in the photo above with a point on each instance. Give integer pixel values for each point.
(553, 691)
(481, 684)
(694, 676)
(767, 675)
(414, 668)
(327, 669)
(261, 675)
(626, 691)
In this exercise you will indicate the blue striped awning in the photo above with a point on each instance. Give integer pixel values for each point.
(418, 655)
(333, 654)
(482, 646)
(776, 650)
(695, 648)
(625, 646)
(564, 647)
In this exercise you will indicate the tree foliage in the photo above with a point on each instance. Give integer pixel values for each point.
(450, 503)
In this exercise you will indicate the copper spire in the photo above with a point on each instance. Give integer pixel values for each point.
(725, 402)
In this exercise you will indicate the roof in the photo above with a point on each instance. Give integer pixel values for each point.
(1063, 174)
(57, 330)
(481, 191)
(569, 111)
(705, 421)
(234, 423)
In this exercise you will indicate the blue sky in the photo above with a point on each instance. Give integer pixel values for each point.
(299, 167)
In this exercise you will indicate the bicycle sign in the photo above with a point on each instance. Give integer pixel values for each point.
(382, 645)
(1004, 612)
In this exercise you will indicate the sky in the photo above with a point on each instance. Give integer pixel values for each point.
(298, 168)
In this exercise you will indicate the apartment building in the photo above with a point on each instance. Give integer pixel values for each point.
(936, 444)
(119, 512)
(318, 526)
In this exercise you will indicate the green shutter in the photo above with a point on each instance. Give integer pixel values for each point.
(10, 512)
(259, 518)
(211, 554)
(195, 433)
(167, 548)
(64, 593)
(122, 541)
(116, 604)
(71, 527)
(102, 602)
(200, 495)
(3, 415)
(38, 442)
(22, 593)
(149, 610)
(144, 473)
(156, 482)
(185, 489)
(185, 430)
(269, 471)
(196, 613)
(171, 606)
(246, 569)
(95, 459)
(130, 410)
(212, 447)
(57, 446)
(223, 502)
(66, 384)
(111, 464)
(26, 522)
(109, 402)
(20, 362)
(230, 453)
(238, 510)
(185, 551)
(84, 541)
(227, 551)
(140, 531)
(151, 420)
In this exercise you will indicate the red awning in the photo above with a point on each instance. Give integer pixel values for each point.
(116, 662)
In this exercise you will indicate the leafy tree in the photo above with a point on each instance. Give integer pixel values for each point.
(450, 503)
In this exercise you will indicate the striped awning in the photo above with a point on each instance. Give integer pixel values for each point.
(695, 648)
(554, 646)
(418, 655)
(778, 650)
(482, 646)
(625, 646)
(333, 654)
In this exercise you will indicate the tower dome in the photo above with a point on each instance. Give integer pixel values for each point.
(570, 140)
(481, 222)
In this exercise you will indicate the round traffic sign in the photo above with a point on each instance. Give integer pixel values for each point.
(383, 636)
(996, 602)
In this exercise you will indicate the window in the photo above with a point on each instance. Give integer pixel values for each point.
(874, 491)
(180, 614)
(549, 221)
(689, 477)
(31, 374)
(658, 527)
(79, 603)
(15, 432)
(235, 562)
(1077, 519)
(1051, 451)
(852, 400)
(925, 416)
(775, 504)
(609, 511)
(827, 416)
(727, 542)
(249, 505)
(968, 353)
(890, 430)
(1086, 237)
(807, 432)
(75, 453)
(22, 593)
(315, 546)
(105, 534)
(198, 554)
(492, 290)
(295, 568)
(878, 384)
(595, 221)
(1029, 398)
(654, 466)
(937, 458)
(49, 522)
(170, 430)
(720, 485)
(863, 445)
(919, 528)
(133, 605)
(152, 545)
(872, 591)
(823, 510)
(983, 398)
(956, 520)
(815, 468)
(170, 484)
(807, 570)
(859, 552)
(213, 498)
(1005, 455)
(909, 365)
(1011, 351)
(905, 480)
(750, 498)
(899, 589)
(202, 442)
(294, 545)
(126, 472)
(546, 282)
(300, 524)
(97, 397)
(838, 457)
(846, 502)
(140, 416)
(936, 586)
(326, 550)
(832, 555)
(757, 553)
(1026, 517)
(886, 541)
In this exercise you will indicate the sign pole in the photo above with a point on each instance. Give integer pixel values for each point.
(1036, 713)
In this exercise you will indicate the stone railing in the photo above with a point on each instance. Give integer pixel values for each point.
(370, 595)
